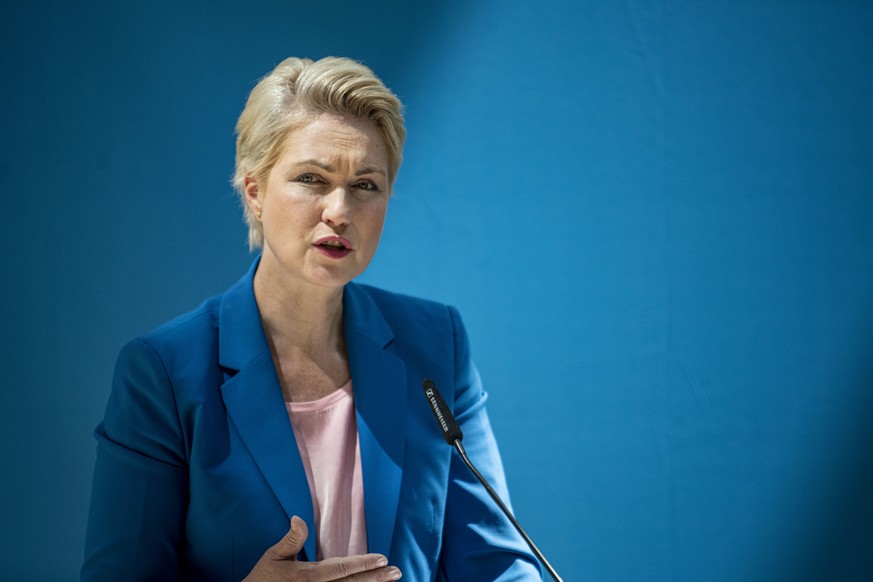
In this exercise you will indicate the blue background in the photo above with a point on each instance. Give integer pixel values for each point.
(655, 217)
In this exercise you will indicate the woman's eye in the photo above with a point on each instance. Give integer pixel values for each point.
(366, 185)
(308, 178)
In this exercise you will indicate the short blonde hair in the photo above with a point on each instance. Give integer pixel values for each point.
(296, 89)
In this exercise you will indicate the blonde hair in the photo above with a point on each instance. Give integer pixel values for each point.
(289, 95)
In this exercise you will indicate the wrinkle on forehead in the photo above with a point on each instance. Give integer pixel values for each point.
(338, 143)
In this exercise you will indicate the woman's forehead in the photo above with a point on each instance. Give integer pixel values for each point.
(329, 139)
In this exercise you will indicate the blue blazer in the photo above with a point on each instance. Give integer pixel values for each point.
(198, 472)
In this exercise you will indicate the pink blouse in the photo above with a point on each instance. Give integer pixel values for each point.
(327, 437)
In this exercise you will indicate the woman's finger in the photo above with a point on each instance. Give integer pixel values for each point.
(367, 567)
(292, 542)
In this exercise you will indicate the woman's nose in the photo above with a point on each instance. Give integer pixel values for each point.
(336, 207)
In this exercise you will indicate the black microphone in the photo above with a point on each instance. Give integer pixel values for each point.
(453, 435)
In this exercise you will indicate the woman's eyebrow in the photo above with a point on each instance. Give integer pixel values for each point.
(328, 168)
(370, 170)
(313, 162)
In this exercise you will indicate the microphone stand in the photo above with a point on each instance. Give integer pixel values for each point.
(457, 444)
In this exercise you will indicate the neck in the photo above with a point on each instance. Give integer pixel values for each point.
(299, 315)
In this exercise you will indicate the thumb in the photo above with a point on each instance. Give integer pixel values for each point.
(290, 545)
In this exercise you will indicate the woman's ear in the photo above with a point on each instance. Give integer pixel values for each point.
(252, 195)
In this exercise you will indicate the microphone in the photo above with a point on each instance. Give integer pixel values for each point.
(453, 435)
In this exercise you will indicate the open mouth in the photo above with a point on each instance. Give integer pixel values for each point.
(334, 247)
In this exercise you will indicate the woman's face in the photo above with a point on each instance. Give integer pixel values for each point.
(323, 204)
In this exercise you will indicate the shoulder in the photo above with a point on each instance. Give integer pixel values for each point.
(398, 302)
(405, 312)
(194, 325)
(419, 331)
(187, 341)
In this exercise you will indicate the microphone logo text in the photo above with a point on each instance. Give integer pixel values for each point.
(436, 409)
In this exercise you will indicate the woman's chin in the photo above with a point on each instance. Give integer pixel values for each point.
(333, 277)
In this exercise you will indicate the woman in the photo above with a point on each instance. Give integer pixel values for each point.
(295, 394)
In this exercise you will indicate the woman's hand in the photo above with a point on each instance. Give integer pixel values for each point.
(280, 563)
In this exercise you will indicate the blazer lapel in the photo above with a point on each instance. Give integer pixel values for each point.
(379, 384)
(256, 406)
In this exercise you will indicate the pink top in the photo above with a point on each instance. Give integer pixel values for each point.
(327, 437)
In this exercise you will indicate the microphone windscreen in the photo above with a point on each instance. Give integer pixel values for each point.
(448, 425)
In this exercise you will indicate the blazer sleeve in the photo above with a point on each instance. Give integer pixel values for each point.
(139, 492)
(479, 542)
